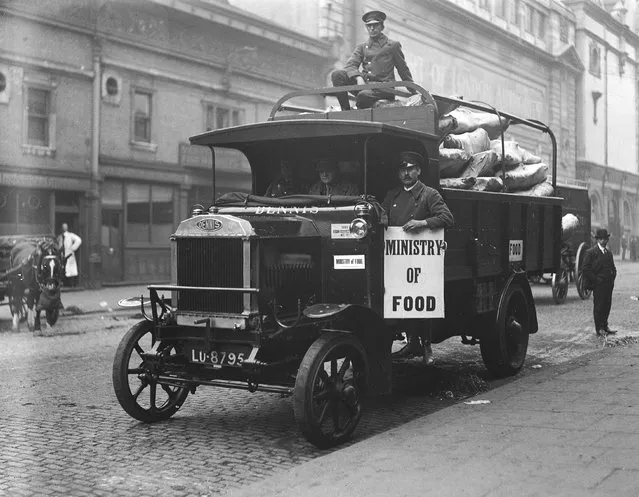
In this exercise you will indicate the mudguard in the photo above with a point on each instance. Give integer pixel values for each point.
(522, 279)
(372, 331)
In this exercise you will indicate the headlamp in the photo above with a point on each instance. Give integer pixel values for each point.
(359, 228)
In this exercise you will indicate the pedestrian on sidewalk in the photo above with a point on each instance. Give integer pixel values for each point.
(624, 246)
(633, 248)
(600, 273)
(69, 243)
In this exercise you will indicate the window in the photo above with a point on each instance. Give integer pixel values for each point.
(38, 109)
(484, 4)
(527, 18)
(594, 65)
(112, 86)
(563, 30)
(3, 82)
(500, 8)
(142, 116)
(540, 25)
(218, 117)
(513, 9)
(149, 215)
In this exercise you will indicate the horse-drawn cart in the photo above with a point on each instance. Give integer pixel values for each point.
(575, 243)
(30, 278)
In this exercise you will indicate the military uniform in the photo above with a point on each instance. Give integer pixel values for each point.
(378, 58)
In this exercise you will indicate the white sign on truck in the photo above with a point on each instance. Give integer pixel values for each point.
(413, 274)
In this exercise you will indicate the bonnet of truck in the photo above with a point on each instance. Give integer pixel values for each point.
(237, 268)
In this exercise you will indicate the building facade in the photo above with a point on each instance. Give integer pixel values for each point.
(101, 98)
(516, 55)
(608, 117)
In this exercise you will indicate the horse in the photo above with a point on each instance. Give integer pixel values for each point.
(35, 279)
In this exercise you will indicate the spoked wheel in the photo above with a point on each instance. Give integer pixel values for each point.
(584, 293)
(328, 388)
(135, 376)
(560, 286)
(504, 346)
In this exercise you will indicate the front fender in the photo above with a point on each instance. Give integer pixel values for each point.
(371, 330)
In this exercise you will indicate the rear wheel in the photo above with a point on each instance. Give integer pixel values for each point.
(505, 344)
(135, 370)
(584, 293)
(328, 388)
(560, 286)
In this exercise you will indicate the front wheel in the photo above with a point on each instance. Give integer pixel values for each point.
(136, 366)
(505, 343)
(328, 388)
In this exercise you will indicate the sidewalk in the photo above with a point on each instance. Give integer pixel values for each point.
(102, 300)
(570, 430)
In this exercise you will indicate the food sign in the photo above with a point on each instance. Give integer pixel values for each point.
(413, 274)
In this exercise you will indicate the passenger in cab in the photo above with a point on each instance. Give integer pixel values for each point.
(286, 183)
(415, 207)
(330, 181)
(372, 61)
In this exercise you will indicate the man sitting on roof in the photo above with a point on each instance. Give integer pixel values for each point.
(330, 182)
(378, 58)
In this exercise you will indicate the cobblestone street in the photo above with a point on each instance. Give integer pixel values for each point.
(64, 433)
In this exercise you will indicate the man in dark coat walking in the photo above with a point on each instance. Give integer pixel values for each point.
(372, 61)
(600, 273)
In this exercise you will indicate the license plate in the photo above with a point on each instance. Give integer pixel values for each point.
(221, 355)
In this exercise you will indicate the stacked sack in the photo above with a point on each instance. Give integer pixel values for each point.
(471, 157)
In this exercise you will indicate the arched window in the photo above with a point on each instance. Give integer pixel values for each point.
(627, 215)
(596, 216)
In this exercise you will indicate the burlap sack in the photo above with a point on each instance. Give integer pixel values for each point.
(488, 184)
(452, 162)
(524, 177)
(458, 183)
(472, 142)
(482, 164)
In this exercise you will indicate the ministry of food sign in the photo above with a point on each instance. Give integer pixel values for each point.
(413, 274)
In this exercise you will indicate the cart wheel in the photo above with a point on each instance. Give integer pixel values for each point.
(583, 292)
(504, 346)
(328, 388)
(134, 377)
(52, 316)
(560, 286)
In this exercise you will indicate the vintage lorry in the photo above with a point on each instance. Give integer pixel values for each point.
(287, 294)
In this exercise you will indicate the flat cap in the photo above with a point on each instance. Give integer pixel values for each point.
(374, 16)
(410, 158)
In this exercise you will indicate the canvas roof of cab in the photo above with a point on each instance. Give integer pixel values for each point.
(245, 136)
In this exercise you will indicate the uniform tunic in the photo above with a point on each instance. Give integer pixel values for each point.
(420, 203)
(378, 57)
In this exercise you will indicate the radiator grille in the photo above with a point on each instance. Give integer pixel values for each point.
(210, 262)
